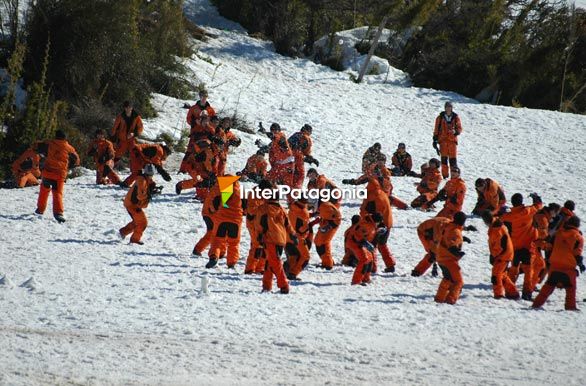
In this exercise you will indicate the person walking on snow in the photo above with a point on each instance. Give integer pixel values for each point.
(445, 133)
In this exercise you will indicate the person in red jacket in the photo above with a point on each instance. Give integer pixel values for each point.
(445, 133)
(402, 162)
(26, 168)
(349, 259)
(256, 261)
(448, 242)
(298, 253)
(103, 152)
(127, 127)
(272, 228)
(519, 221)
(501, 254)
(566, 254)
(301, 145)
(541, 222)
(60, 156)
(230, 140)
(137, 199)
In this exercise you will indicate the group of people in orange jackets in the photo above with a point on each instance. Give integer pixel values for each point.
(543, 243)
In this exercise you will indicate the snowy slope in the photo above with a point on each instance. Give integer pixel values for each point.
(105, 312)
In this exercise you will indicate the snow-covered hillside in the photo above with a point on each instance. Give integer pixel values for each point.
(105, 312)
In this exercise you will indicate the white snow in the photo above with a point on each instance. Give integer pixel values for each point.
(113, 313)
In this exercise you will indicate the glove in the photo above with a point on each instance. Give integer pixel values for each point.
(466, 239)
(350, 181)
(471, 228)
(294, 239)
(580, 263)
(434, 271)
(442, 195)
(582, 268)
(310, 160)
(435, 146)
(368, 246)
(163, 173)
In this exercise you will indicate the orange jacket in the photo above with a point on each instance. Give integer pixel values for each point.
(301, 142)
(250, 206)
(430, 181)
(279, 150)
(229, 138)
(256, 164)
(493, 198)
(448, 242)
(272, 223)
(198, 132)
(500, 244)
(203, 158)
(455, 190)
(402, 161)
(381, 173)
(567, 246)
(427, 229)
(329, 215)
(60, 156)
(149, 153)
(519, 221)
(541, 222)
(232, 211)
(28, 162)
(321, 183)
(299, 219)
(377, 201)
(195, 111)
(124, 126)
(365, 230)
(102, 150)
(139, 194)
(447, 128)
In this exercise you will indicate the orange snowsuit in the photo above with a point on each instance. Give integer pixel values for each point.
(541, 222)
(140, 156)
(230, 139)
(493, 198)
(426, 231)
(455, 191)
(103, 152)
(445, 132)
(448, 246)
(256, 260)
(206, 213)
(201, 164)
(330, 220)
(428, 187)
(26, 169)
(298, 254)
(195, 111)
(302, 148)
(402, 163)
(519, 221)
(377, 201)
(137, 199)
(228, 223)
(349, 259)
(60, 156)
(567, 250)
(364, 232)
(197, 133)
(383, 175)
(256, 167)
(272, 227)
(282, 161)
(125, 131)
(501, 253)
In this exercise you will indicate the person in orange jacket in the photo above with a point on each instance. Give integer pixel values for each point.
(453, 192)
(280, 157)
(448, 242)
(256, 167)
(501, 250)
(541, 222)
(198, 108)
(566, 212)
(272, 228)
(227, 218)
(206, 213)
(137, 199)
(301, 145)
(60, 156)
(377, 201)
(103, 152)
(349, 259)
(429, 185)
(144, 154)
(519, 221)
(298, 253)
(330, 219)
(230, 140)
(371, 156)
(362, 244)
(490, 197)
(426, 231)
(26, 168)
(446, 130)
(566, 254)
(256, 261)
(203, 130)
(127, 127)
(402, 162)
(316, 181)
(201, 166)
